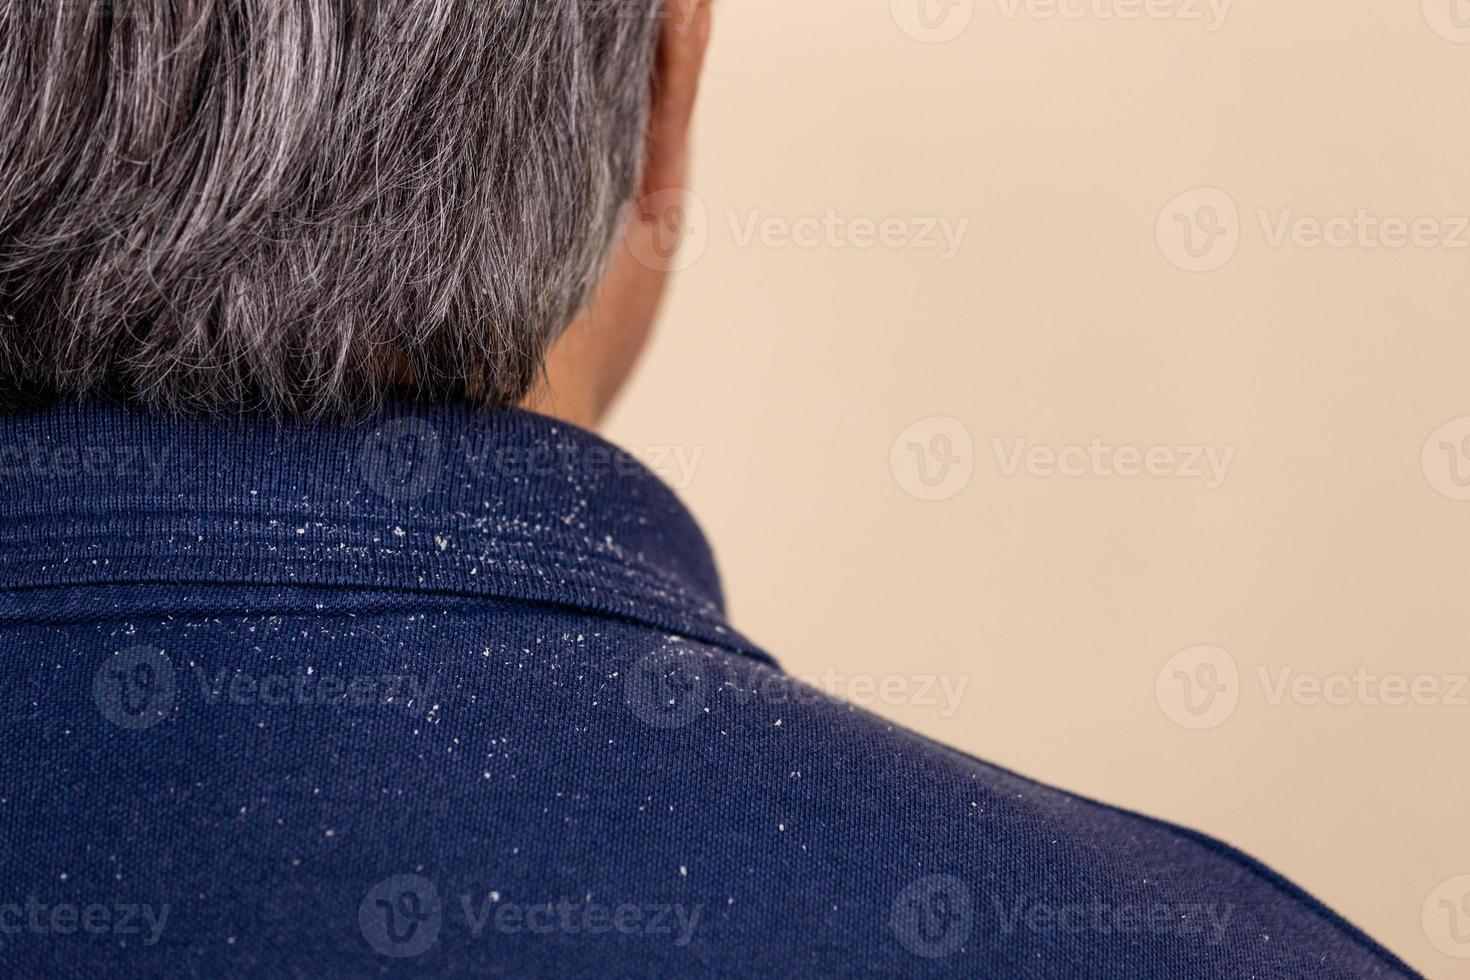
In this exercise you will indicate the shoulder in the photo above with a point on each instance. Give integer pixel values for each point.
(804, 829)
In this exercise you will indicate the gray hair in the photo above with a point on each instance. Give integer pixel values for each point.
(295, 204)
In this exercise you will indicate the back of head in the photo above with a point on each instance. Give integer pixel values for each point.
(235, 204)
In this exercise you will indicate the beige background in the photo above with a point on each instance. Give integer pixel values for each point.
(785, 374)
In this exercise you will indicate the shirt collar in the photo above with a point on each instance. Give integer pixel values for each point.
(446, 499)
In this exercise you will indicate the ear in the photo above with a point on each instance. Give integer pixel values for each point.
(587, 367)
(681, 50)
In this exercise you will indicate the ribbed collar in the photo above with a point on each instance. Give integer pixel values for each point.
(444, 499)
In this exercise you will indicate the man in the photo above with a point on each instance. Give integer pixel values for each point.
(321, 659)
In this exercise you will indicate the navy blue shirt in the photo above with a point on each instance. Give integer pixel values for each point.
(452, 693)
